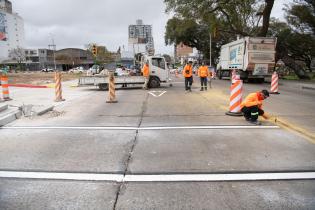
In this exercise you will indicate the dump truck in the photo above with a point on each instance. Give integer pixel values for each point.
(251, 57)
(159, 73)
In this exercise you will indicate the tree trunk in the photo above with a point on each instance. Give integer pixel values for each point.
(297, 68)
(266, 18)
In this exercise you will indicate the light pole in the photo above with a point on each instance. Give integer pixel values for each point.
(210, 48)
(54, 49)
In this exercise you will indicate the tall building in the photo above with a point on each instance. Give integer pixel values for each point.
(11, 30)
(140, 38)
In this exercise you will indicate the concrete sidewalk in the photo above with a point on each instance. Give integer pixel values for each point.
(38, 101)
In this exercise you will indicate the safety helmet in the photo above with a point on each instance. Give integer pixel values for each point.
(265, 93)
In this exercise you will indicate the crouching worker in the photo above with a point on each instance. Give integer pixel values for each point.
(252, 106)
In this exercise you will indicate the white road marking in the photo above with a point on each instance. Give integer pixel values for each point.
(142, 128)
(160, 177)
(62, 176)
(159, 93)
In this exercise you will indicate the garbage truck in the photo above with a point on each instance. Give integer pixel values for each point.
(159, 73)
(250, 57)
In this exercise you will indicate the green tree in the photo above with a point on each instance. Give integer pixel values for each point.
(195, 19)
(296, 40)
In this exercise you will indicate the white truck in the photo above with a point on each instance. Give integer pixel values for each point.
(251, 57)
(159, 73)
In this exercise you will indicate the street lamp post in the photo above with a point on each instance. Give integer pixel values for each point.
(210, 48)
(54, 49)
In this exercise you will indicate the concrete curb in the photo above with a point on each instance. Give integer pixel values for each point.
(309, 87)
(10, 117)
(45, 110)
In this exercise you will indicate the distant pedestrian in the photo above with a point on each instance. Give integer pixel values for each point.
(188, 74)
(145, 73)
(203, 73)
(252, 106)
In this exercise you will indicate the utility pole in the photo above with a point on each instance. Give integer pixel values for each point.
(210, 48)
(54, 49)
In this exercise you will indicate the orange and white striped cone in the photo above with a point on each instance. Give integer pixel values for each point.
(111, 90)
(236, 99)
(5, 88)
(274, 83)
(58, 88)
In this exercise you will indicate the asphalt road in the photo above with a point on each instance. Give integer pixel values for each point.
(87, 154)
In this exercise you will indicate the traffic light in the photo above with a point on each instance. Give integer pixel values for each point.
(94, 49)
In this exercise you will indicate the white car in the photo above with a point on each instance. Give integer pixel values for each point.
(77, 70)
(47, 70)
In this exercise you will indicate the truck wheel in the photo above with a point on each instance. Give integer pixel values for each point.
(103, 86)
(154, 83)
(219, 74)
(261, 80)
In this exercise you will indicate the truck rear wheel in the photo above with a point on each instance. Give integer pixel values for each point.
(219, 74)
(103, 86)
(154, 83)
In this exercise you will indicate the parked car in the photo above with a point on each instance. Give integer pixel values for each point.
(47, 70)
(77, 70)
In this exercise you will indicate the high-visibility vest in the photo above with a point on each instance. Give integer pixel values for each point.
(253, 99)
(145, 70)
(187, 72)
(203, 71)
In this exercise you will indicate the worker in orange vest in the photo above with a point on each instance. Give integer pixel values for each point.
(145, 73)
(188, 74)
(252, 106)
(203, 73)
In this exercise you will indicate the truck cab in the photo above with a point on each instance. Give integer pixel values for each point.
(159, 71)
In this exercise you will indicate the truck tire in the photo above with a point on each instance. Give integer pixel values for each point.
(103, 86)
(260, 80)
(154, 82)
(219, 74)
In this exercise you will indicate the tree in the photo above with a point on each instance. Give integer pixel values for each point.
(18, 54)
(241, 16)
(296, 40)
(168, 58)
(103, 55)
(194, 20)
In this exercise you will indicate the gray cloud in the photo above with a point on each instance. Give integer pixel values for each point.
(74, 23)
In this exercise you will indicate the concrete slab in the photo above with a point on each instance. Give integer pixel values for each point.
(9, 115)
(3, 107)
(218, 195)
(65, 150)
(221, 150)
(37, 194)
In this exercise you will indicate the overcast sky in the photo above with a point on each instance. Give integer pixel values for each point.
(74, 23)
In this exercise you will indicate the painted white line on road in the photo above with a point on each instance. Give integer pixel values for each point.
(219, 177)
(141, 128)
(61, 176)
(158, 178)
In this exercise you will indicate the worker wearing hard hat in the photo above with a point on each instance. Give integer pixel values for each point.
(145, 73)
(252, 106)
(203, 73)
(188, 74)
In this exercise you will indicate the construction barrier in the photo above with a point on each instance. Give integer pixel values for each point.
(236, 99)
(5, 87)
(274, 83)
(111, 90)
(58, 88)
